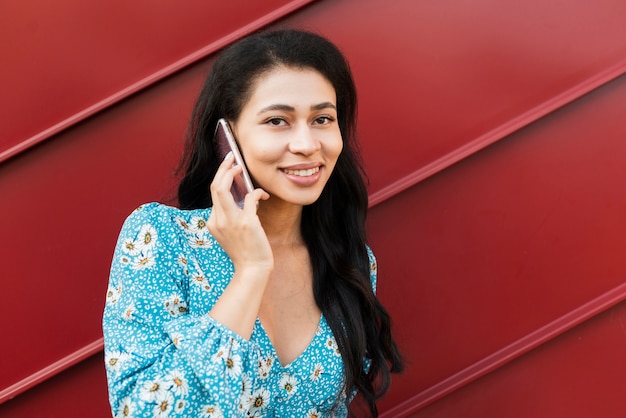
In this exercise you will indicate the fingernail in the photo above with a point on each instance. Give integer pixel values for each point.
(230, 153)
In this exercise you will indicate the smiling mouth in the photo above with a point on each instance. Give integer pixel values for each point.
(302, 173)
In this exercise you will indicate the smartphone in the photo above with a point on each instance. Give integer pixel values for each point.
(225, 140)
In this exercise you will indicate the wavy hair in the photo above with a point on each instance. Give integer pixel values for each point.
(333, 227)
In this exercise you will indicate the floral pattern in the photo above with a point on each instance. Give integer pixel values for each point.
(166, 357)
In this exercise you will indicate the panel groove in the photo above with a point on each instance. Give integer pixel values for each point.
(498, 133)
(152, 79)
(509, 353)
(51, 370)
(445, 387)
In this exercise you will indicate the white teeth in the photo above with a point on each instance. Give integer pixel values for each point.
(302, 173)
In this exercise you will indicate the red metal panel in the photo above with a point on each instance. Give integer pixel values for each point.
(78, 392)
(438, 76)
(506, 241)
(579, 375)
(65, 60)
(67, 199)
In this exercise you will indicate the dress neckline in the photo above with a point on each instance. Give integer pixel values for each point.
(265, 335)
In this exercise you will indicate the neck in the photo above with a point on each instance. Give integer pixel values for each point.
(281, 222)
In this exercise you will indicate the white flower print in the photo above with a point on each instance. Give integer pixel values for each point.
(259, 401)
(246, 384)
(143, 261)
(245, 403)
(198, 225)
(265, 366)
(211, 411)
(289, 384)
(182, 223)
(113, 294)
(234, 344)
(318, 369)
(176, 338)
(246, 392)
(233, 365)
(200, 280)
(220, 355)
(153, 390)
(175, 305)
(128, 312)
(124, 259)
(312, 413)
(114, 360)
(332, 344)
(164, 405)
(131, 247)
(179, 406)
(199, 242)
(126, 408)
(197, 231)
(183, 261)
(177, 383)
(147, 238)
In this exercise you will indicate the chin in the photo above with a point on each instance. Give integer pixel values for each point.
(298, 199)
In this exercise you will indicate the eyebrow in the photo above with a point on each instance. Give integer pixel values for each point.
(287, 108)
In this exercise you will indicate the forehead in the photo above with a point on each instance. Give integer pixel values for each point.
(292, 86)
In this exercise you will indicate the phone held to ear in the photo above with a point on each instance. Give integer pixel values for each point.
(225, 140)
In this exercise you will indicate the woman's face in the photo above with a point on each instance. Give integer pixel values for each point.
(289, 135)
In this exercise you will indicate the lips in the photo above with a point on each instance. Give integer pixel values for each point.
(302, 172)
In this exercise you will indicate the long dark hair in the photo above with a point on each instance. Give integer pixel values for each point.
(334, 226)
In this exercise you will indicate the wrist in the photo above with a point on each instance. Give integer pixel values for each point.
(254, 273)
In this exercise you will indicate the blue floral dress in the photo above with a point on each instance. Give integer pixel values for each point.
(166, 357)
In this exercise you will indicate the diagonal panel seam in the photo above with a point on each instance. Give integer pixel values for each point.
(499, 133)
(51, 370)
(422, 399)
(152, 79)
(509, 353)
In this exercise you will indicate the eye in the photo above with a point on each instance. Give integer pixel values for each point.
(323, 120)
(276, 122)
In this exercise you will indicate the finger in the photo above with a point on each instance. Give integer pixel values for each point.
(226, 172)
(225, 209)
(226, 164)
(222, 183)
(251, 201)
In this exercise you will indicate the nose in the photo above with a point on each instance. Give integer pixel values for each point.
(304, 140)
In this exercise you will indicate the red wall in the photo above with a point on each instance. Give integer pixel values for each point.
(493, 136)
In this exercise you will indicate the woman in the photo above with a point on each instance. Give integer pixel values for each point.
(266, 310)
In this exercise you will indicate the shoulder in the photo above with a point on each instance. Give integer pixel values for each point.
(153, 223)
(165, 217)
(163, 214)
(146, 223)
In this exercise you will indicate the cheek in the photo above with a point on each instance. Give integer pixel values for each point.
(258, 157)
(335, 148)
(260, 154)
(253, 145)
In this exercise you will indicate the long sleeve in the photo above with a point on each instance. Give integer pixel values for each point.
(164, 355)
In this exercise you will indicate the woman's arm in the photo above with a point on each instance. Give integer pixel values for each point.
(159, 357)
(241, 235)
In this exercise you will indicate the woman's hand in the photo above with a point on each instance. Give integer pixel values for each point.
(238, 230)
